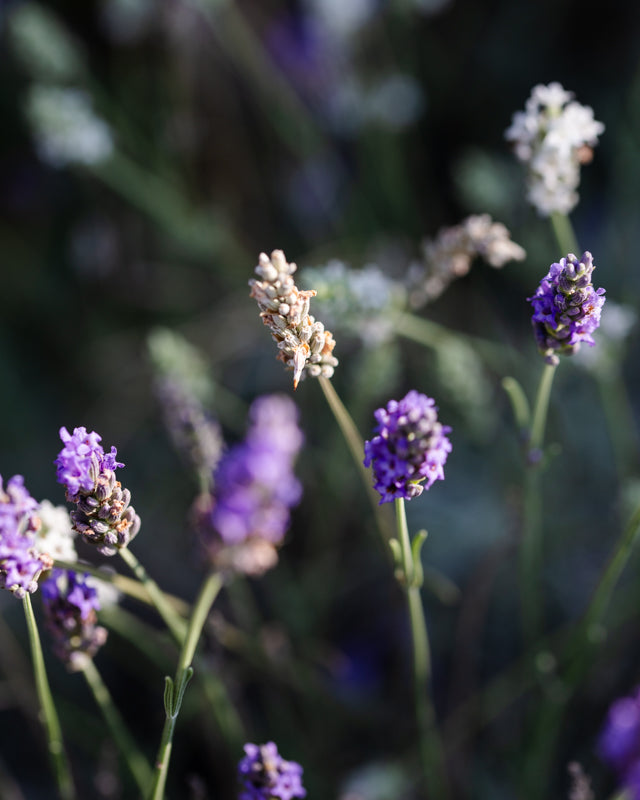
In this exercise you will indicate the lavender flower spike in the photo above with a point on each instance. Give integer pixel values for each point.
(304, 344)
(70, 603)
(102, 516)
(21, 563)
(566, 307)
(410, 446)
(254, 490)
(265, 775)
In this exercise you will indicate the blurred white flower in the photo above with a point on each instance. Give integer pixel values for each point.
(363, 302)
(65, 127)
(554, 135)
(56, 536)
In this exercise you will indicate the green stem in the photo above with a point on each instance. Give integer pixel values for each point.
(432, 335)
(123, 740)
(174, 690)
(531, 544)
(57, 752)
(565, 237)
(174, 622)
(541, 408)
(431, 750)
(579, 656)
(355, 444)
(121, 583)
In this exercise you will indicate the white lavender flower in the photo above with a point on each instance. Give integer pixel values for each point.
(56, 535)
(363, 302)
(554, 135)
(304, 344)
(451, 253)
(65, 127)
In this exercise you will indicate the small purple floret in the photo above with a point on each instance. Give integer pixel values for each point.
(409, 449)
(70, 603)
(265, 775)
(566, 307)
(20, 561)
(81, 460)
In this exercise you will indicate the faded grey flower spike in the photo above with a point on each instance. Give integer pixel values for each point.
(304, 344)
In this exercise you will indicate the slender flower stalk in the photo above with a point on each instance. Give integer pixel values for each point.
(174, 690)
(124, 741)
(57, 753)
(164, 607)
(121, 583)
(431, 750)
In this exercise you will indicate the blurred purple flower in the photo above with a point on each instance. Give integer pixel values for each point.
(20, 561)
(566, 307)
(619, 742)
(265, 775)
(410, 446)
(255, 488)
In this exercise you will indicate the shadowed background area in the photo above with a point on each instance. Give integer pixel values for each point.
(150, 150)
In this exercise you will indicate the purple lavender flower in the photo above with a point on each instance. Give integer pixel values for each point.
(566, 307)
(255, 488)
(103, 515)
(20, 561)
(265, 775)
(410, 447)
(619, 742)
(70, 605)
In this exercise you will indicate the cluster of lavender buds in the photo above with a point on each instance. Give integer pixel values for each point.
(70, 603)
(305, 346)
(409, 449)
(619, 743)
(103, 516)
(553, 136)
(451, 253)
(363, 301)
(21, 562)
(182, 388)
(566, 307)
(254, 490)
(265, 775)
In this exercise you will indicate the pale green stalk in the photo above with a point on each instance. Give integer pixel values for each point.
(432, 335)
(51, 722)
(174, 690)
(564, 234)
(123, 740)
(355, 443)
(531, 543)
(172, 619)
(121, 583)
(431, 750)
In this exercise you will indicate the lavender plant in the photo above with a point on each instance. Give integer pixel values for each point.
(305, 648)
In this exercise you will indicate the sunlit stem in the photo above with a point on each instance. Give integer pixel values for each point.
(57, 754)
(531, 544)
(172, 619)
(431, 750)
(174, 690)
(563, 231)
